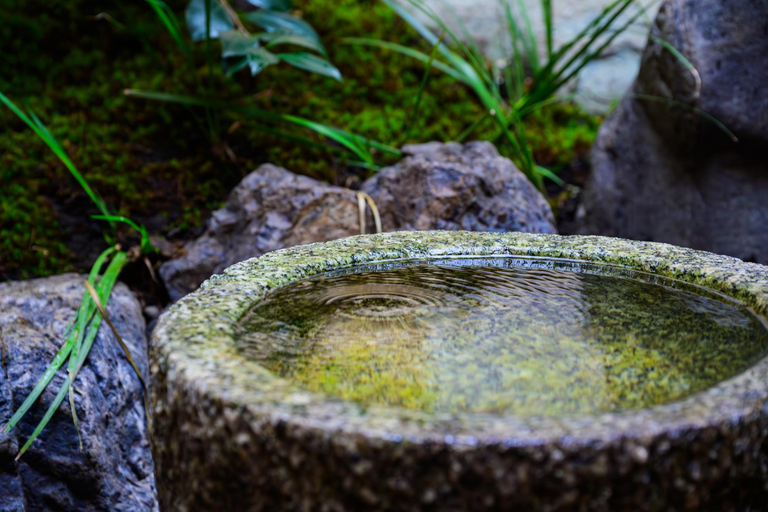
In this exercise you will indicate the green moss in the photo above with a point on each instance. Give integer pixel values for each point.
(508, 336)
(155, 162)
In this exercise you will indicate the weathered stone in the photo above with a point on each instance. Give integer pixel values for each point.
(455, 187)
(271, 208)
(114, 470)
(232, 436)
(666, 173)
(439, 186)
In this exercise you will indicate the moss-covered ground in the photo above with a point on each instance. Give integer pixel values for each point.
(155, 162)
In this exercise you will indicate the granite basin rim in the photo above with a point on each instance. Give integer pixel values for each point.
(194, 343)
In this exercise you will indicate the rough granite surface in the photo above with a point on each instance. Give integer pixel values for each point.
(231, 436)
(114, 470)
(665, 173)
(437, 186)
(458, 187)
(271, 208)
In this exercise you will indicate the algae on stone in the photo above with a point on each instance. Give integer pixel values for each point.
(500, 336)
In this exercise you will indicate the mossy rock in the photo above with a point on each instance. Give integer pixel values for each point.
(230, 435)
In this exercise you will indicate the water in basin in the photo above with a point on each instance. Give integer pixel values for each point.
(501, 335)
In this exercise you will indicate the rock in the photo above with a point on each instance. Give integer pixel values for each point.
(438, 186)
(665, 173)
(455, 187)
(271, 208)
(114, 471)
(601, 82)
(235, 437)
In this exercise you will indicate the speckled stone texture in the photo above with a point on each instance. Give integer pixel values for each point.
(231, 436)
(271, 208)
(668, 174)
(114, 471)
(437, 186)
(453, 186)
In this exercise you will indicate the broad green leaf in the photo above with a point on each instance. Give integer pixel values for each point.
(282, 23)
(195, 15)
(234, 43)
(272, 5)
(312, 63)
(298, 40)
(240, 50)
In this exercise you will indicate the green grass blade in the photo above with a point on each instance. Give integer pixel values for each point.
(515, 89)
(680, 57)
(384, 148)
(546, 173)
(466, 133)
(476, 57)
(104, 288)
(546, 7)
(404, 50)
(351, 144)
(416, 24)
(42, 132)
(358, 141)
(589, 57)
(46, 418)
(599, 30)
(529, 38)
(470, 66)
(168, 19)
(545, 74)
(422, 86)
(146, 243)
(87, 327)
(709, 117)
(56, 363)
(76, 360)
(64, 352)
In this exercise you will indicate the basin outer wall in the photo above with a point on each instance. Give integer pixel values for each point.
(229, 436)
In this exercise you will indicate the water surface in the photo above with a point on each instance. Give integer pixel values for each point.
(501, 335)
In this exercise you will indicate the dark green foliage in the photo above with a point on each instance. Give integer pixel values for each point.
(155, 162)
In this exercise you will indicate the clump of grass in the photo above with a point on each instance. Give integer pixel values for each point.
(507, 102)
(82, 333)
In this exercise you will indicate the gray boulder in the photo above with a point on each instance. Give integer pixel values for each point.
(114, 471)
(437, 186)
(271, 208)
(665, 173)
(455, 187)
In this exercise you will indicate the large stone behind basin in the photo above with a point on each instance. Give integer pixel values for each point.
(437, 186)
(665, 173)
(114, 471)
(271, 208)
(455, 187)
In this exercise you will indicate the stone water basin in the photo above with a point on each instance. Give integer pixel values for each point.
(466, 371)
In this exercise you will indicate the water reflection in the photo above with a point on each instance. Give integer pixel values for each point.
(499, 335)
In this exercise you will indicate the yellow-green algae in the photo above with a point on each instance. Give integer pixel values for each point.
(500, 335)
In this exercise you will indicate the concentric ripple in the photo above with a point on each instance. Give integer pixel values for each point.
(503, 335)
